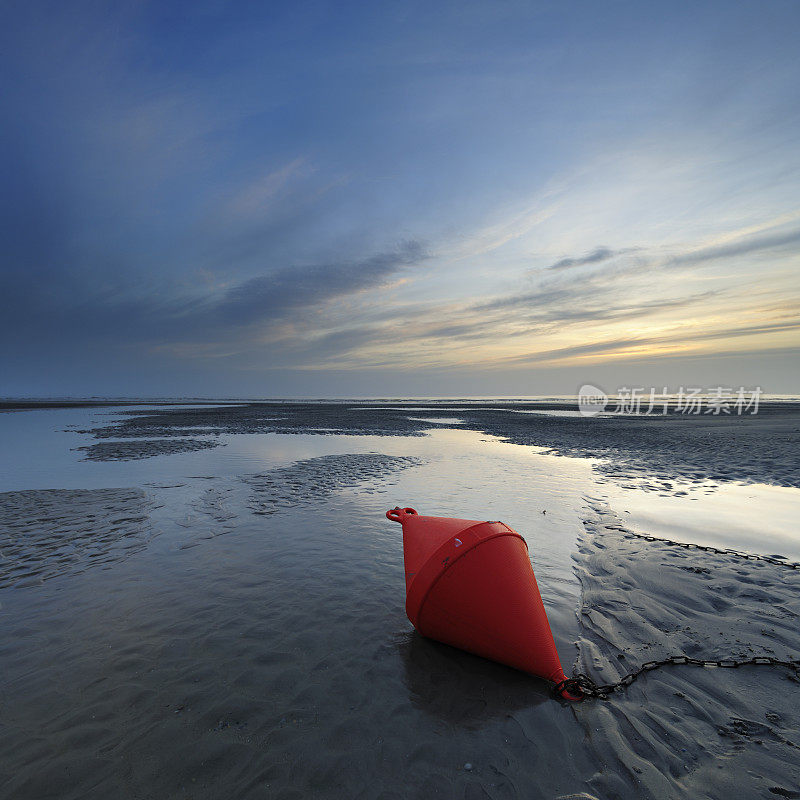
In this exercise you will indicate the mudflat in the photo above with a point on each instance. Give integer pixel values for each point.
(228, 620)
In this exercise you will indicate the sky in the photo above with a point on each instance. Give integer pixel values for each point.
(311, 199)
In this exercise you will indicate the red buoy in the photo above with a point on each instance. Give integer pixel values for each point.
(470, 584)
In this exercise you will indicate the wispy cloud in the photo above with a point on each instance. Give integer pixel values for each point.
(279, 293)
(254, 198)
(748, 245)
(512, 226)
(149, 315)
(635, 346)
(597, 256)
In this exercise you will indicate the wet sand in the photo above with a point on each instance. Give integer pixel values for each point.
(654, 450)
(312, 480)
(51, 533)
(219, 630)
(684, 730)
(127, 451)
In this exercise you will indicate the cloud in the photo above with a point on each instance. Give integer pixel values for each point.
(623, 344)
(256, 196)
(131, 313)
(276, 294)
(495, 236)
(595, 257)
(548, 311)
(597, 295)
(752, 244)
(538, 297)
(607, 298)
(741, 246)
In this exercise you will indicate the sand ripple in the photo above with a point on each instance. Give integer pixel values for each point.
(52, 532)
(686, 731)
(307, 481)
(143, 448)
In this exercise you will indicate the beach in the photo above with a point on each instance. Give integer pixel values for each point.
(205, 600)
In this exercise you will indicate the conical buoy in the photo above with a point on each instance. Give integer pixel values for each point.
(470, 584)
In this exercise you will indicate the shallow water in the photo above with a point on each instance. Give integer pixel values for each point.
(239, 654)
(752, 517)
(235, 626)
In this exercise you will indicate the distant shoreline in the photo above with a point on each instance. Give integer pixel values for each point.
(544, 402)
(26, 405)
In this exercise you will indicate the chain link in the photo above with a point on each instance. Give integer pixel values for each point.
(582, 685)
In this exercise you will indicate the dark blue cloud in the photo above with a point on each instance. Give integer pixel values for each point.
(42, 309)
(595, 257)
(279, 293)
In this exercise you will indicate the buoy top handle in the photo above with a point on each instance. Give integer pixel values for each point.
(399, 514)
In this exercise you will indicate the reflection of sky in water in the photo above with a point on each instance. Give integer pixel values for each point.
(753, 517)
(467, 474)
(464, 474)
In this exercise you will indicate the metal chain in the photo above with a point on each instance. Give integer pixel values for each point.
(582, 684)
(707, 547)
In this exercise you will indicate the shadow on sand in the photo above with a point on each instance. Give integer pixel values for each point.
(463, 689)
